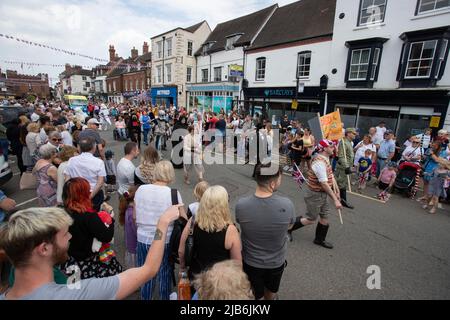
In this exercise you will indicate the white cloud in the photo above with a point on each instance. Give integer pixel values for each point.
(89, 27)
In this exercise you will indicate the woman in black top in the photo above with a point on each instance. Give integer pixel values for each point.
(216, 238)
(298, 151)
(134, 128)
(87, 226)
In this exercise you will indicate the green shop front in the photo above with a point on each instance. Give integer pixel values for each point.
(212, 97)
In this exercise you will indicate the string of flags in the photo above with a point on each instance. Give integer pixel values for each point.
(32, 43)
(23, 63)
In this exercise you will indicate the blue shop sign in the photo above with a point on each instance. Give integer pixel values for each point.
(164, 92)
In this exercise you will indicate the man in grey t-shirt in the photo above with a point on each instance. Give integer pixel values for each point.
(265, 220)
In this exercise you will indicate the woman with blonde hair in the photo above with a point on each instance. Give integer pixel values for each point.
(145, 172)
(216, 238)
(224, 281)
(150, 202)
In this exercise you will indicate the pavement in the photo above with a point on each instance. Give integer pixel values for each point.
(410, 247)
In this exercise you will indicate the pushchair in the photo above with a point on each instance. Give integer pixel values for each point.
(407, 180)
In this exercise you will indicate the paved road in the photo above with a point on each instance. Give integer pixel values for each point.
(411, 248)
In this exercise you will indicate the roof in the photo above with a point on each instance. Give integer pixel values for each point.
(76, 72)
(145, 57)
(247, 25)
(298, 21)
(122, 65)
(190, 29)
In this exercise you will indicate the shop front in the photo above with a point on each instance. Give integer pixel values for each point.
(407, 112)
(276, 102)
(164, 96)
(212, 97)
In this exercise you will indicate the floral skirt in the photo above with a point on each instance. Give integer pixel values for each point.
(91, 267)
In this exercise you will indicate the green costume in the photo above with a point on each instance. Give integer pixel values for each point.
(345, 161)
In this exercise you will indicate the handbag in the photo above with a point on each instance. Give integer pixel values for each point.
(189, 246)
(28, 181)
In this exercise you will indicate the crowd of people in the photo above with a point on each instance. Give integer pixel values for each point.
(68, 240)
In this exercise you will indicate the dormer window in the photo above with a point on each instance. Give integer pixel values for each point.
(206, 47)
(231, 40)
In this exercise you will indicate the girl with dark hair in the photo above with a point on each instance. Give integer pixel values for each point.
(87, 226)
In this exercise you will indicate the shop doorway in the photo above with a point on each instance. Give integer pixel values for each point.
(371, 116)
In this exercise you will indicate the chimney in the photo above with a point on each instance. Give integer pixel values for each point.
(68, 67)
(134, 53)
(112, 53)
(145, 48)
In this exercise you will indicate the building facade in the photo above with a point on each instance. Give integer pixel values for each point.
(173, 61)
(129, 79)
(76, 80)
(216, 82)
(287, 65)
(15, 85)
(390, 63)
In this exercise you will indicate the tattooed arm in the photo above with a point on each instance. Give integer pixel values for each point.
(132, 279)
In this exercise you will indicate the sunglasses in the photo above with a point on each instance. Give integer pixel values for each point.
(56, 139)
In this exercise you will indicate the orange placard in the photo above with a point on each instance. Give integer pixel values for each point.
(332, 126)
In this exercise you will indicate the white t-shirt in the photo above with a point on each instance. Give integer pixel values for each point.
(320, 169)
(425, 140)
(61, 180)
(380, 134)
(362, 150)
(193, 207)
(67, 138)
(414, 152)
(35, 117)
(125, 175)
(86, 166)
(151, 201)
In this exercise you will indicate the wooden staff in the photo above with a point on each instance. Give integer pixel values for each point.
(348, 176)
(335, 188)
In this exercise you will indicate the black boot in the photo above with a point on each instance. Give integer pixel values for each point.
(297, 225)
(344, 201)
(321, 234)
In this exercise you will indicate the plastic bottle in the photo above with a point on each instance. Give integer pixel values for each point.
(184, 287)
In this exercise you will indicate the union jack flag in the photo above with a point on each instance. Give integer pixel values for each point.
(298, 176)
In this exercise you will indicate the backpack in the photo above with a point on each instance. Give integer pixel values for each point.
(178, 227)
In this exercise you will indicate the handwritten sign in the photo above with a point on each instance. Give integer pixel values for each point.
(332, 126)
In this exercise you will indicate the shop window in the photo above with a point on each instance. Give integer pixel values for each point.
(369, 118)
(348, 115)
(412, 125)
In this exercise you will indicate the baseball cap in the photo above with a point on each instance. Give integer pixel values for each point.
(93, 121)
(389, 132)
(351, 130)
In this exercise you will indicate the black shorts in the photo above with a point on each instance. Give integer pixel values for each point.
(261, 279)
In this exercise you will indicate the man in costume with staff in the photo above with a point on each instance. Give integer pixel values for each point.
(344, 165)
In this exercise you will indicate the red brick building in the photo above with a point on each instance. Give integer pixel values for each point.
(21, 86)
(129, 78)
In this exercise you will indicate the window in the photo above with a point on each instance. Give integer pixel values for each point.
(304, 65)
(218, 74)
(359, 65)
(88, 85)
(260, 69)
(372, 11)
(231, 40)
(432, 5)
(84, 78)
(376, 62)
(158, 73)
(159, 49)
(204, 75)
(206, 48)
(442, 57)
(169, 72)
(190, 48)
(189, 74)
(169, 47)
(420, 59)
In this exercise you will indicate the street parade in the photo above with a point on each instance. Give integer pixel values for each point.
(190, 173)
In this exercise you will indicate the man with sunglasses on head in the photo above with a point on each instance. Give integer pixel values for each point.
(92, 132)
(55, 140)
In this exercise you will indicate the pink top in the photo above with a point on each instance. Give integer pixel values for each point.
(120, 124)
(387, 176)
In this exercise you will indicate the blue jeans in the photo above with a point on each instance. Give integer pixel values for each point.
(381, 164)
(145, 133)
(164, 276)
(4, 144)
(122, 133)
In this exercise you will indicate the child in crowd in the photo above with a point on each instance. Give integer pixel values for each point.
(386, 179)
(364, 168)
(127, 218)
(111, 172)
(199, 190)
(437, 185)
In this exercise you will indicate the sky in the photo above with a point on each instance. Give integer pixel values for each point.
(89, 26)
